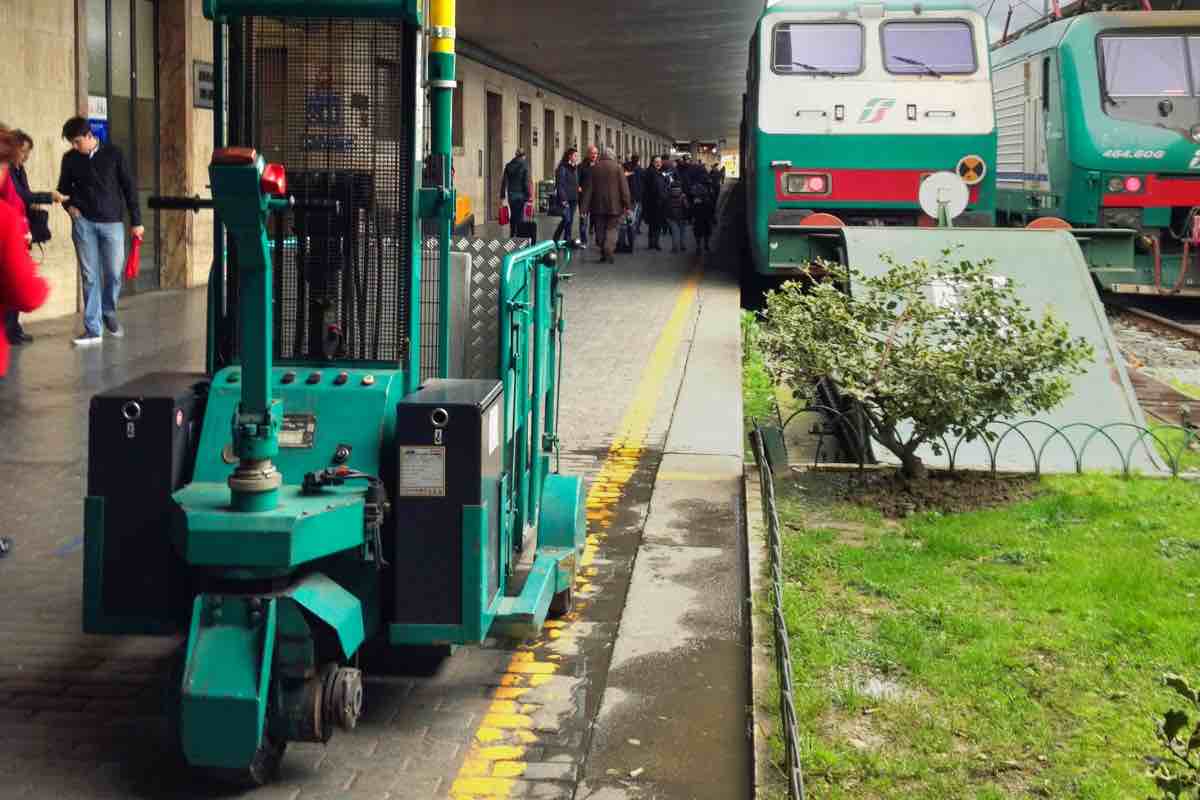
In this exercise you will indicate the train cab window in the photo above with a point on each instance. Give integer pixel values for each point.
(929, 48)
(1145, 66)
(818, 48)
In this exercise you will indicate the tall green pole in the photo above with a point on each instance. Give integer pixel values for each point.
(442, 83)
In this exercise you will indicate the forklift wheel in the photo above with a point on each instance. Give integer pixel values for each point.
(262, 770)
(563, 602)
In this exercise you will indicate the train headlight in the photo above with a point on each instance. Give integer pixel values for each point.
(1116, 185)
(807, 183)
(1195, 133)
(1133, 184)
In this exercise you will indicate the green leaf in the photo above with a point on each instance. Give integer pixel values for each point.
(1173, 722)
(1181, 687)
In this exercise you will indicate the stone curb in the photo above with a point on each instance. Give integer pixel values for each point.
(761, 659)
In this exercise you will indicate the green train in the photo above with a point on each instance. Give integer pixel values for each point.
(849, 106)
(1099, 126)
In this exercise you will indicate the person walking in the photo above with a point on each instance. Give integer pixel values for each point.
(703, 213)
(637, 191)
(517, 187)
(654, 197)
(585, 179)
(566, 190)
(607, 199)
(676, 211)
(98, 189)
(21, 288)
(37, 233)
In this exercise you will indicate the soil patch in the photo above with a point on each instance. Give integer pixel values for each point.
(896, 498)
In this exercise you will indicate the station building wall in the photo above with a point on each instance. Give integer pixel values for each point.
(44, 79)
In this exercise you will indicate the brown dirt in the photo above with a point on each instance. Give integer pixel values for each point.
(897, 498)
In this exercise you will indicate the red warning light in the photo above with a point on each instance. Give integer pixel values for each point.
(1133, 184)
(274, 180)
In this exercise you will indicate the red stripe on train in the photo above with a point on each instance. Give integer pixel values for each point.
(862, 186)
(1158, 192)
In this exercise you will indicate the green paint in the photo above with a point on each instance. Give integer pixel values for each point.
(226, 680)
(407, 10)
(564, 518)
(302, 529)
(333, 605)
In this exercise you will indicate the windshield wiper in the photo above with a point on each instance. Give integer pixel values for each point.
(817, 70)
(928, 69)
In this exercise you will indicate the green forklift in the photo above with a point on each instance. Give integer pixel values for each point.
(335, 478)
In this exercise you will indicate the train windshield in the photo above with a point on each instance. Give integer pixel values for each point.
(929, 48)
(1148, 66)
(819, 49)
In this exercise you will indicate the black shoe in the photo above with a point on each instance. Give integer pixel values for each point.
(25, 338)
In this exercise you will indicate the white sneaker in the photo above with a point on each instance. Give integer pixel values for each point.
(87, 340)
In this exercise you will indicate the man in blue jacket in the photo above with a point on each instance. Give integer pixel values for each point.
(96, 180)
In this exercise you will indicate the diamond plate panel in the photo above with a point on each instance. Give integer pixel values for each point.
(480, 336)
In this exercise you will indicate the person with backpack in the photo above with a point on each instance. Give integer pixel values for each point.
(676, 210)
(566, 193)
(654, 201)
(703, 214)
(517, 188)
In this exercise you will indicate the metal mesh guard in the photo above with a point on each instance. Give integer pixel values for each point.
(334, 101)
(479, 333)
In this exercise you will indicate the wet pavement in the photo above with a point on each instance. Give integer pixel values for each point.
(80, 715)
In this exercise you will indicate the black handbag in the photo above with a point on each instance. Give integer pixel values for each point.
(39, 224)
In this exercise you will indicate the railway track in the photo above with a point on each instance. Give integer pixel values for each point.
(1173, 320)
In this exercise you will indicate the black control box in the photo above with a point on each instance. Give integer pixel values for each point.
(449, 455)
(142, 441)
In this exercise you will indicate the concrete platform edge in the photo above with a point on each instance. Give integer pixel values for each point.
(761, 658)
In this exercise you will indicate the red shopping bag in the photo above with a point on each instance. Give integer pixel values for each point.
(529, 211)
(134, 262)
(504, 214)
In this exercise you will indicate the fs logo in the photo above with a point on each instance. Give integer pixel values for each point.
(877, 108)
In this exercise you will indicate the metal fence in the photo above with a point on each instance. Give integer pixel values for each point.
(782, 642)
(1025, 445)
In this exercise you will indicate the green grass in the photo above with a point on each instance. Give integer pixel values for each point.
(1172, 442)
(1190, 389)
(1023, 645)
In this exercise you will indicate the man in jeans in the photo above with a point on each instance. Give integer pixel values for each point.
(98, 187)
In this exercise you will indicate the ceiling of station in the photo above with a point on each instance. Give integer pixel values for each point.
(680, 65)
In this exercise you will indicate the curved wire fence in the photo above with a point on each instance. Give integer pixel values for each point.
(1028, 442)
(782, 641)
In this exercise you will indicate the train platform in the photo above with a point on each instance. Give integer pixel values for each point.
(641, 692)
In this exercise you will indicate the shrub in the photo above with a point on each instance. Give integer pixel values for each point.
(926, 349)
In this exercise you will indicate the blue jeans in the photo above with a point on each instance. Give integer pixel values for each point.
(100, 248)
(676, 228)
(584, 221)
(637, 218)
(568, 222)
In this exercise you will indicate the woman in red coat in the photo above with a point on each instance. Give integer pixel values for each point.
(21, 288)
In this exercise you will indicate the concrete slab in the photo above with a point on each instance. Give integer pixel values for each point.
(695, 500)
(708, 417)
(673, 720)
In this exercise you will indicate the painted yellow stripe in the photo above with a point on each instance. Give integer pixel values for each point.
(496, 756)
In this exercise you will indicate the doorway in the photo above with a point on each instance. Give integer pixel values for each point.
(569, 133)
(583, 143)
(122, 45)
(549, 146)
(495, 153)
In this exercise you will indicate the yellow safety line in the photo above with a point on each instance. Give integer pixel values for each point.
(496, 759)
